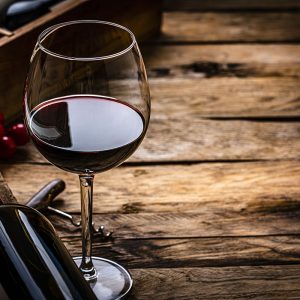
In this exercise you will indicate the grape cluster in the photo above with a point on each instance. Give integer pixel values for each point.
(15, 136)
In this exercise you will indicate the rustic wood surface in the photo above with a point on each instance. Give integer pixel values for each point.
(267, 282)
(213, 140)
(209, 206)
(210, 187)
(230, 27)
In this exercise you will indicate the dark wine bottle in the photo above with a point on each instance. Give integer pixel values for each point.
(34, 262)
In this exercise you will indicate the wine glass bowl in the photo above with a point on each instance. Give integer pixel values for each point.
(87, 109)
(79, 81)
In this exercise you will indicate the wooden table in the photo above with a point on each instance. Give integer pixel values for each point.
(209, 206)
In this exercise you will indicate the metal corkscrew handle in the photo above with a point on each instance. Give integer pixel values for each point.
(44, 197)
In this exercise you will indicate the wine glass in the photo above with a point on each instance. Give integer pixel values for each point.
(87, 109)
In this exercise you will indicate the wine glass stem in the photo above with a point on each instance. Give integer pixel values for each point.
(86, 189)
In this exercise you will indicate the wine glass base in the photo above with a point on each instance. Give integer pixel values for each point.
(113, 281)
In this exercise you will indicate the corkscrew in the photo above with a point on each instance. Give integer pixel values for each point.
(43, 199)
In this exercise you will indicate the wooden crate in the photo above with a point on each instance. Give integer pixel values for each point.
(141, 16)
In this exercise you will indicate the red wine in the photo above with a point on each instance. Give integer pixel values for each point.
(35, 265)
(83, 133)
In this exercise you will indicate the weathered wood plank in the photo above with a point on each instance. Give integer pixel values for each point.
(191, 98)
(176, 225)
(239, 97)
(203, 252)
(202, 61)
(170, 56)
(183, 137)
(209, 69)
(199, 188)
(264, 282)
(178, 132)
(230, 4)
(230, 27)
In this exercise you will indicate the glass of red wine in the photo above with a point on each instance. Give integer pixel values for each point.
(87, 109)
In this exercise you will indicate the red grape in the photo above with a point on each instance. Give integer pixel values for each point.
(19, 133)
(7, 147)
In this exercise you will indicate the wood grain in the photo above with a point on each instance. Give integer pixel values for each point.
(203, 252)
(197, 188)
(239, 97)
(189, 138)
(207, 61)
(263, 282)
(285, 220)
(230, 27)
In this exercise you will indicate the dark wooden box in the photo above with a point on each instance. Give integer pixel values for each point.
(143, 17)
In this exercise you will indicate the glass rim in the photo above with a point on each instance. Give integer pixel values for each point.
(45, 33)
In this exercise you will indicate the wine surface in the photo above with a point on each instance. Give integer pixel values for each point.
(83, 133)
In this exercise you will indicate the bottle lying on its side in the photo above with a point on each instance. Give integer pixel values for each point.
(34, 262)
